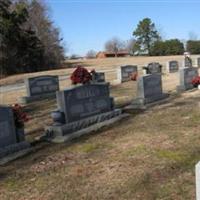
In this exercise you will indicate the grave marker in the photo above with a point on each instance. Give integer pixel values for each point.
(149, 90)
(10, 140)
(153, 68)
(186, 75)
(125, 72)
(81, 107)
(40, 87)
(172, 66)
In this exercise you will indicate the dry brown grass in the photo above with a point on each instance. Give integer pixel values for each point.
(149, 156)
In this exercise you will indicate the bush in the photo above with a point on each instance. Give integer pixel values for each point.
(168, 47)
(193, 46)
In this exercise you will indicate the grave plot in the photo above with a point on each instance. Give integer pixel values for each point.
(82, 109)
(41, 87)
(12, 140)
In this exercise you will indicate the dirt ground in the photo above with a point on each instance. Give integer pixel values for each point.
(151, 155)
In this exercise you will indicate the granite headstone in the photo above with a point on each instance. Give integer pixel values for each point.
(153, 68)
(40, 87)
(125, 72)
(198, 62)
(187, 62)
(81, 107)
(186, 75)
(10, 141)
(149, 90)
(172, 66)
(98, 77)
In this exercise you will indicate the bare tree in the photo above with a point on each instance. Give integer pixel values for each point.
(192, 36)
(130, 46)
(91, 54)
(114, 45)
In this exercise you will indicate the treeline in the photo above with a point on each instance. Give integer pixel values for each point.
(148, 41)
(29, 41)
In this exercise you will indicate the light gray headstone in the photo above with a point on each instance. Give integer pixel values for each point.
(197, 177)
(124, 72)
(41, 85)
(153, 68)
(198, 62)
(172, 66)
(187, 62)
(186, 75)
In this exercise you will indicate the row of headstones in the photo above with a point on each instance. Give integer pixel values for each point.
(81, 106)
(46, 86)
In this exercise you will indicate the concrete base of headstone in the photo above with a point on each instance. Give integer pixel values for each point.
(25, 100)
(14, 151)
(141, 103)
(182, 88)
(66, 132)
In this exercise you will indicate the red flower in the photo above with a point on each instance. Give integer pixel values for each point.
(134, 76)
(20, 116)
(81, 75)
(196, 81)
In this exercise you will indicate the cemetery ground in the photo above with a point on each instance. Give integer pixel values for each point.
(150, 155)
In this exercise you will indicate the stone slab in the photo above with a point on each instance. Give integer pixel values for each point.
(87, 130)
(124, 72)
(186, 75)
(40, 85)
(61, 130)
(26, 100)
(84, 101)
(172, 66)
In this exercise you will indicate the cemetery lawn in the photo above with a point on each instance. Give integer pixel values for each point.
(151, 155)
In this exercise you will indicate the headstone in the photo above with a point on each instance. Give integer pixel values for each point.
(98, 77)
(197, 177)
(153, 68)
(125, 72)
(10, 142)
(186, 75)
(80, 107)
(198, 62)
(187, 62)
(149, 90)
(40, 87)
(172, 66)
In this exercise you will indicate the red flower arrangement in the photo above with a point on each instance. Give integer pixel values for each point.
(20, 116)
(81, 75)
(134, 76)
(196, 81)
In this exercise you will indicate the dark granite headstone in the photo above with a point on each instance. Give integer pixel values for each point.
(98, 77)
(81, 107)
(42, 85)
(125, 72)
(172, 66)
(11, 138)
(186, 75)
(153, 68)
(7, 128)
(84, 101)
(149, 90)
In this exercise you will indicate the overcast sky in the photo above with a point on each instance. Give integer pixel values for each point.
(89, 24)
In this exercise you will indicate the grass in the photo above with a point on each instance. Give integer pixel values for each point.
(149, 156)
